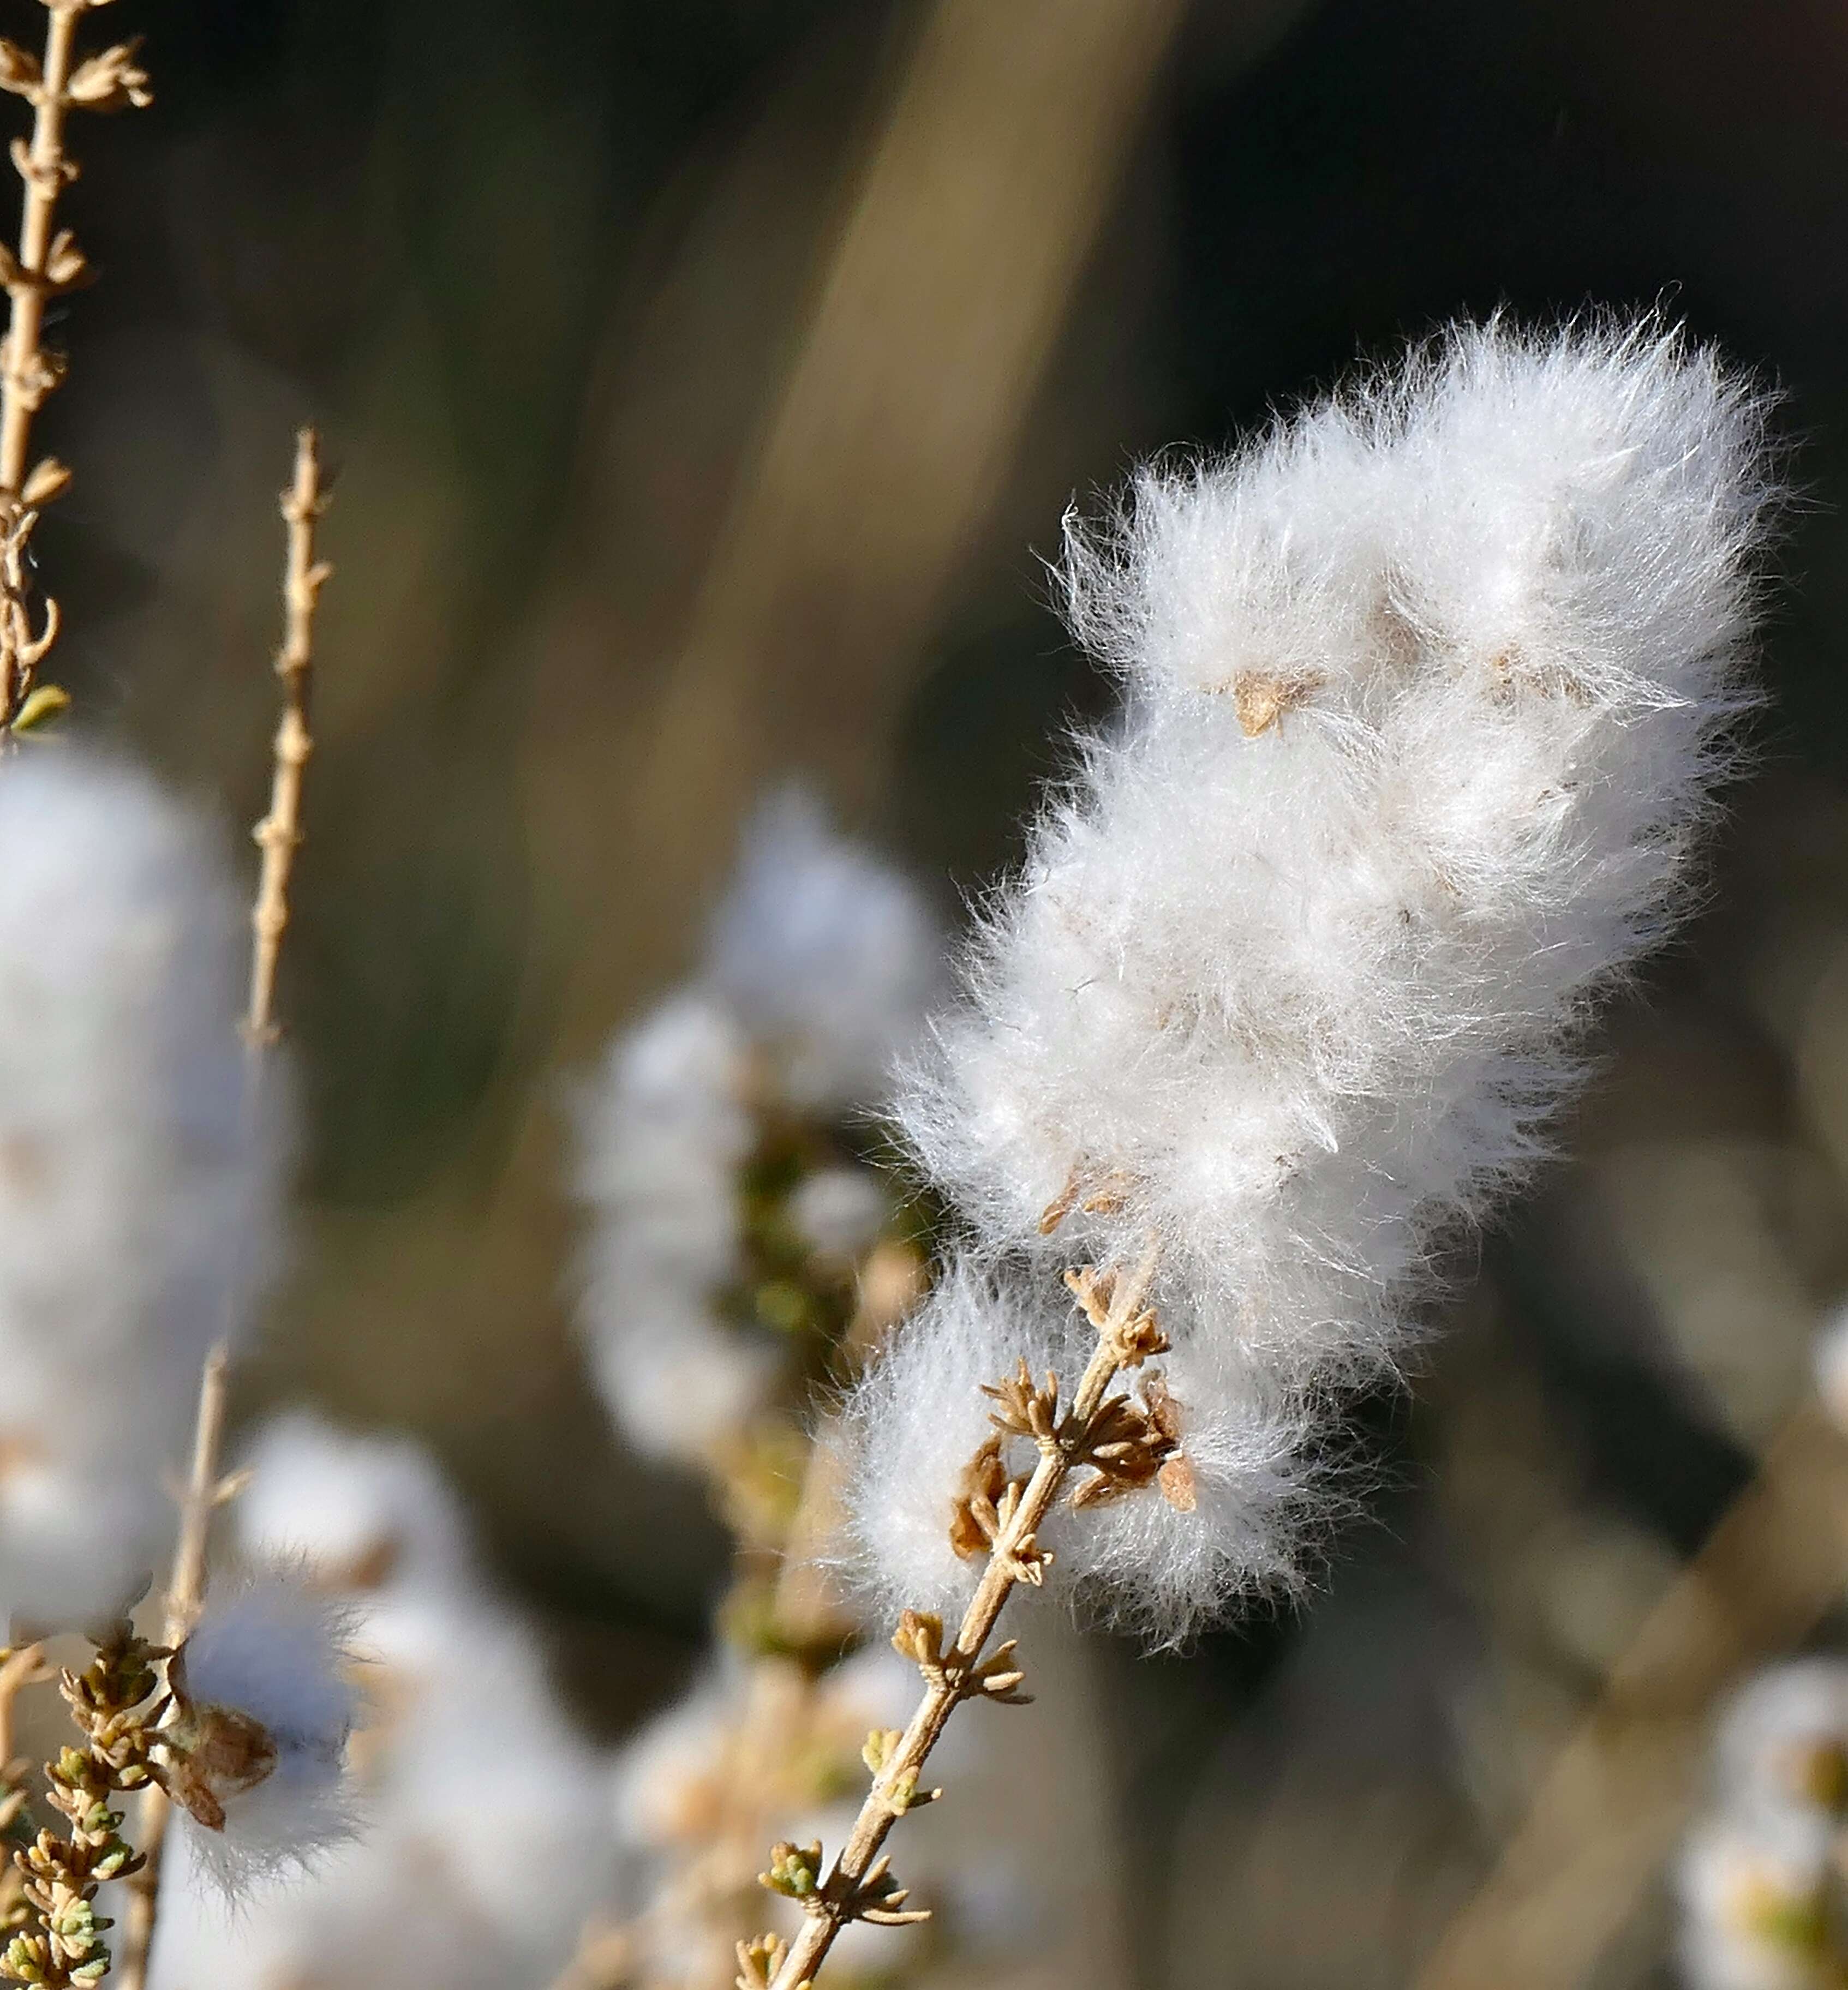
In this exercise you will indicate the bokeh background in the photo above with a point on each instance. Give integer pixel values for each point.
(706, 380)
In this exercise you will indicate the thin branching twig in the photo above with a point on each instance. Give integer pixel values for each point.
(859, 1886)
(45, 265)
(278, 835)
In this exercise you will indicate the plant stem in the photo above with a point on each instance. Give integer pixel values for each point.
(23, 381)
(279, 834)
(831, 1908)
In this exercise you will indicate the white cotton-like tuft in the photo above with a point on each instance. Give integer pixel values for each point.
(140, 1199)
(1136, 1562)
(1783, 1740)
(1426, 692)
(464, 1751)
(1755, 1896)
(914, 1421)
(828, 956)
(362, 1513)
(821, 960)
(662, 1134)
(264, 1702)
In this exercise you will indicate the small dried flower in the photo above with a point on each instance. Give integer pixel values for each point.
(254, 1751)
(111, 81)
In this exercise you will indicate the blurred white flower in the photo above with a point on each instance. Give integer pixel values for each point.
(464, 1751)
(1761, 1905)
(139, 1196)
(829, 957)
(820, 962)
(365, 1514)
(1830, 1360)
(1782, 1744)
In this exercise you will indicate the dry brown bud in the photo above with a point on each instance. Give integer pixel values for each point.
(1025, 1410)
(19, 70)
(49, 479)
(66, 265)
(1261, 699)
(112, 81)
(975, 1511)
(214, 1752)
(919, 1637)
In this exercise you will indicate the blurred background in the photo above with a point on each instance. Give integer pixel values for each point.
(706, 381)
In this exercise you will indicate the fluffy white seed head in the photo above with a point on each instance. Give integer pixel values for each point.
(256, 1747)
(828, 956)
(362, 1513)
(662, 1133)
(139, 1199)
(915, 1422)
(1783, 1740)
(1425, 693)
(464, 1751)
(820, 962)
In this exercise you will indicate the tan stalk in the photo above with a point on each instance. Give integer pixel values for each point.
(857, 1881)
(278, 835)
(45, 265)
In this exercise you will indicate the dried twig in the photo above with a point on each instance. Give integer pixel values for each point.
(45, 265)
(860, 1886)
(278, 835)
(280, 832)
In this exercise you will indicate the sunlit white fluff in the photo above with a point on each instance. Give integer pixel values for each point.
(1758, 1905)
(270, 1650)
(820, 961)
(1254, 1484)
(828, 956)
(139, 1201)
(1782, 1743)
(664, 1133)
(464, 1751)
(1426, 693)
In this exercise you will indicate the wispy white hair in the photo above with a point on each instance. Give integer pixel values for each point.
(271, 1648)
(1426, 693)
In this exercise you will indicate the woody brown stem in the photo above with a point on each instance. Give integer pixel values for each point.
(46, 264)
(278, 835)
(45, 172)
(185, 1594)
(832, 1905)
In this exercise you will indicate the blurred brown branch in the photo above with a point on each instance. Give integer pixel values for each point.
(931, 325)
(1608, 1811)
(45, 265)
